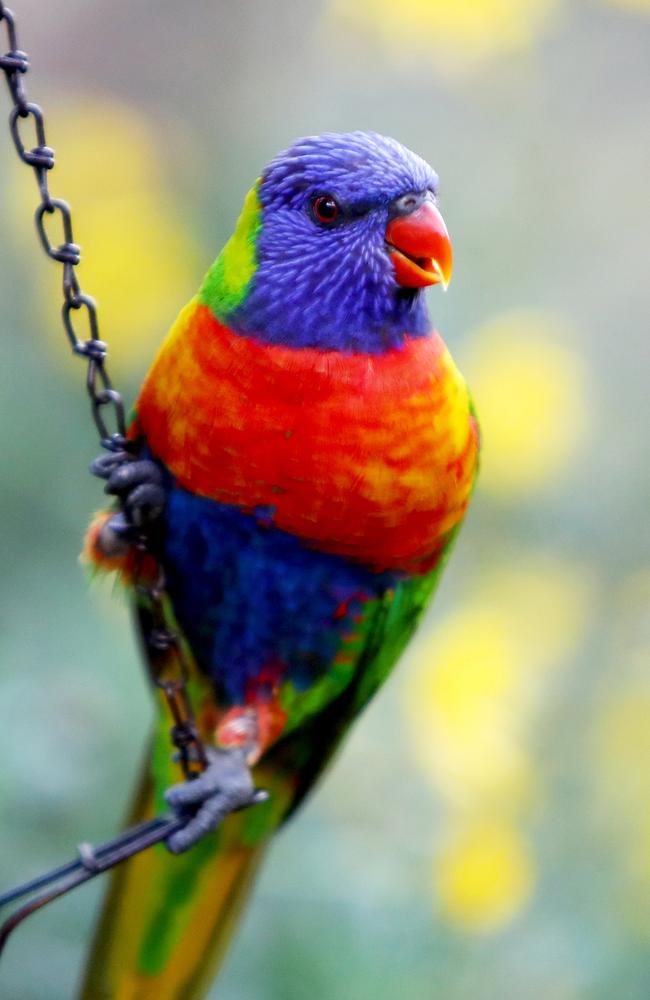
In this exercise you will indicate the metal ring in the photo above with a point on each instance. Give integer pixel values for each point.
(105, 397)
(7, 16)
(29, 111)
(88, 857)
(14, 61)
(67, 252)
(82, 301)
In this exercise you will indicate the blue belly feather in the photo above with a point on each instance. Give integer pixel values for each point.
(248, 595)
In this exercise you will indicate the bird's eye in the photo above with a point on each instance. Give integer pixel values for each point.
(325, 208)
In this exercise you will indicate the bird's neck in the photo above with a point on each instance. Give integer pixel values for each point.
(259, 290)
(279, 312)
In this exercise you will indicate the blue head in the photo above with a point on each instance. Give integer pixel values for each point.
(334, 248)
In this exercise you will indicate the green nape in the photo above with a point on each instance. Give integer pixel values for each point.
(225, 285)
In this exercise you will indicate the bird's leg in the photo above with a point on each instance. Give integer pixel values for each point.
(139, 486)
(225, 786)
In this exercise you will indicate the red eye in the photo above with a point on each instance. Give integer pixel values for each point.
(325, 208)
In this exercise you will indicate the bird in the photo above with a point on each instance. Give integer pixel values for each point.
(310, 448)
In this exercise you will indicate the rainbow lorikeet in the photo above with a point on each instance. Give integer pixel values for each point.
(310, 448)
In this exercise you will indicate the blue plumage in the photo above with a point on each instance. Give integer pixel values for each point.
(333, 287)
(249, 596)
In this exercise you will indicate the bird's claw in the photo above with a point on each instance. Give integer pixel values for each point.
(139, 486)
(225, 786)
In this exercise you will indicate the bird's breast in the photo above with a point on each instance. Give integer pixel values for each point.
(368, 456)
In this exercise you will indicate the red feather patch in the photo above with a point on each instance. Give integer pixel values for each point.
(365, 455)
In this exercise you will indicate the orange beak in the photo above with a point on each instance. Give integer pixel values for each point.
(420, 248)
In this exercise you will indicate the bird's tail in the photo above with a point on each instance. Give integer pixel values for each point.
(167, 920)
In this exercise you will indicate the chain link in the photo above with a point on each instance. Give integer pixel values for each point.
(40, 158)
(165, 655)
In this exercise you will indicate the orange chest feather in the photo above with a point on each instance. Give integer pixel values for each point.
(369, 456)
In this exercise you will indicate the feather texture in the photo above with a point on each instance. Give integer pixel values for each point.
(318, 450)
(367, 456)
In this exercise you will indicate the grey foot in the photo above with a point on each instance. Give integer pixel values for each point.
(138, 485)
(225, 786)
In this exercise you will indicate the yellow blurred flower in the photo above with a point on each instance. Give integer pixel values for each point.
(623, 751)
(620, 740)
(548, 603)
(472, 697)
(454, 36)
(476, 683)
(484, 875)
(138, 256)
(622, 783)
(462, 715)
(529, 387)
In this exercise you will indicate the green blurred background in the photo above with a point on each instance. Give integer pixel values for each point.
(485, 834)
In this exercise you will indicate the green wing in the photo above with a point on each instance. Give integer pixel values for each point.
(385, 629)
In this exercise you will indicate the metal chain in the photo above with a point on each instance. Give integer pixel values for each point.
(164, 652)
